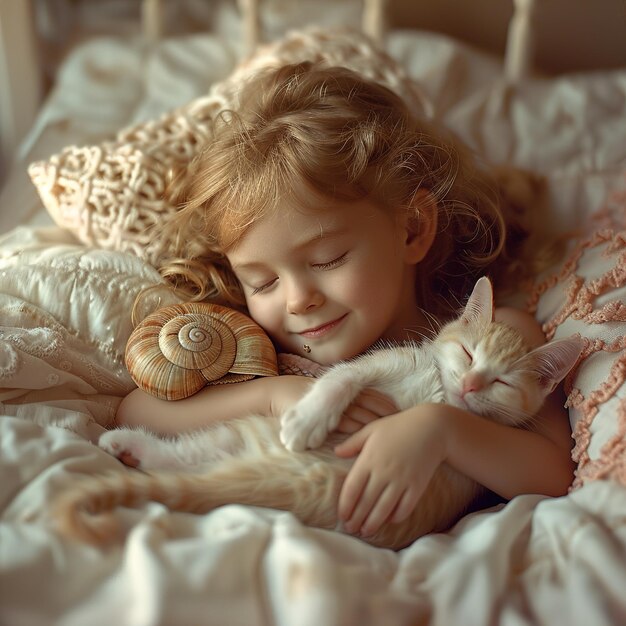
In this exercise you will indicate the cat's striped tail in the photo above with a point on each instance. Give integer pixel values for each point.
(86, 511)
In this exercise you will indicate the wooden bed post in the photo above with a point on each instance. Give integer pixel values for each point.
(152, 20)
(374, 22)
(519, 60)
(249, 10)
(20, 76)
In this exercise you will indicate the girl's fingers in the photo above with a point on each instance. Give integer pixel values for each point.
(351, 491)
(381, 511)
(406, 505)
(411, 497)
(351, 446)
(376, 402)
(369, 406)
(360, 414)
(361, 511)
(349, 426)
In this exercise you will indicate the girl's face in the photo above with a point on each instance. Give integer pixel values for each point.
(334, 280)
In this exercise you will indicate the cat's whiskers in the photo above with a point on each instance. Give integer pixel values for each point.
(430, 330)
(509, 414)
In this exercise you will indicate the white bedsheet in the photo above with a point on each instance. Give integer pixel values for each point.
(535, 561)
(63, 324)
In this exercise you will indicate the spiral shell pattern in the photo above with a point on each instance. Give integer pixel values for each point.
(180, 349)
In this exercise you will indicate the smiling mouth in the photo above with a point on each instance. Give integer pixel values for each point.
(319, 331)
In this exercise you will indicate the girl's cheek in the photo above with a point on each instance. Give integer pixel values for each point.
(357, 291)
(254, 311)
(264, 313)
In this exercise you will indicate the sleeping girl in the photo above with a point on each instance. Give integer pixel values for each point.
(339, 221)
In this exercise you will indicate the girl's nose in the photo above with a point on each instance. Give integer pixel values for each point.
(302, 297)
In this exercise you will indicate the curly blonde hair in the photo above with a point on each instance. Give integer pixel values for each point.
(345, 138)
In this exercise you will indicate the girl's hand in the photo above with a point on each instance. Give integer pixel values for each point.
(368, 406)
(398, 456)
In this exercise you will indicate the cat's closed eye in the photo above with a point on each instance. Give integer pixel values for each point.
(468, 354)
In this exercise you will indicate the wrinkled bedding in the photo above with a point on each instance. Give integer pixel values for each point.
(64, 321)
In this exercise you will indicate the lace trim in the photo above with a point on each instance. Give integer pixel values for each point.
(36, 335)
(581, 295)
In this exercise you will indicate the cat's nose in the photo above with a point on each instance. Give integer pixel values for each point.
(472, 381)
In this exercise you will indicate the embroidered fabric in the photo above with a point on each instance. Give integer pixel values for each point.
(64, 323)
(587, 295)
(298, 366)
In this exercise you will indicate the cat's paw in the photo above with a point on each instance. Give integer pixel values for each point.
(302, 428)
(134, 448)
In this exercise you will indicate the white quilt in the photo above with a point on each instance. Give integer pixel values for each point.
(64, 320)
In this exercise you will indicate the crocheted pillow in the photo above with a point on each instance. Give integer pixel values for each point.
(112, 195)
(587, 295)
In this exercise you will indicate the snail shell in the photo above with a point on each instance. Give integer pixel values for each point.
(181, 348)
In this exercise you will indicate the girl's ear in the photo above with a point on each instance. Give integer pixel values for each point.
(420, 230)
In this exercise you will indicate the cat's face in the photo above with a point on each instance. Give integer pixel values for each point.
(484, 371)
(487, 368)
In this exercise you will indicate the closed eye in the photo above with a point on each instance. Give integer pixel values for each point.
(340, 260)
(467, 353)
(502, 382)
(262, 288)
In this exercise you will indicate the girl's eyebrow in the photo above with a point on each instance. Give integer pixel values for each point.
(252, 265)
(324, 233)
(299, 245)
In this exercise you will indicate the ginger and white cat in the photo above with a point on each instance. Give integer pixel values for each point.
(289, 464)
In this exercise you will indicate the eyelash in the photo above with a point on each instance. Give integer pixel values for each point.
(330, 264)
(467, 353)
(262, 287)
(320, 266)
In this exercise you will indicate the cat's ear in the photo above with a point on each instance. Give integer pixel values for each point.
(479, 307)
(554, 360)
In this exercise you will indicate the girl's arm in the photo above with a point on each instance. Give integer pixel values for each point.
(270, 396)
(520, 461)
(264, 396)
